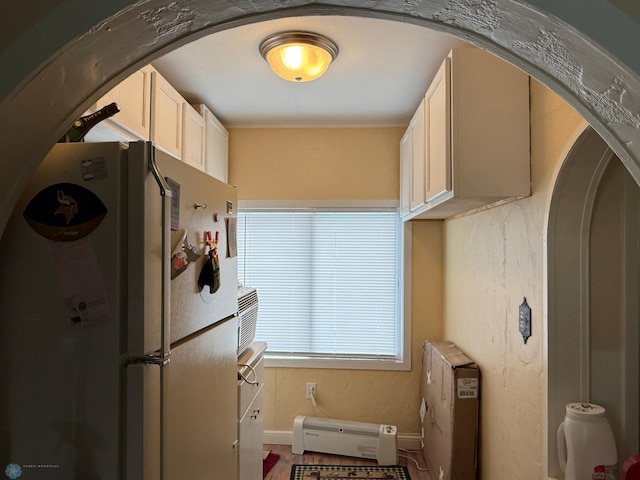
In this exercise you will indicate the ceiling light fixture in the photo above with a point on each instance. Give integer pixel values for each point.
(298, 56)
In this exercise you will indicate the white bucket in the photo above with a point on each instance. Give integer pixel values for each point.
(586, 447)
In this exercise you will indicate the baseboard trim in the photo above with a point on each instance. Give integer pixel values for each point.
(277, 437)
(406, 441)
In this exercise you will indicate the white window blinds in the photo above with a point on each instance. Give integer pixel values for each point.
(326, 281)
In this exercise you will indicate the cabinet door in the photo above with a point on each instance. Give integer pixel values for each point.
(257, 426)
(166, 116)
(193, 137)
(406, 158)
(418, 158)
(245, 462)
(131, 123)
(216, 149)
(438, 137)
(250, 436)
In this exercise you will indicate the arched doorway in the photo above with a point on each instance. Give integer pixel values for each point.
(592, 272)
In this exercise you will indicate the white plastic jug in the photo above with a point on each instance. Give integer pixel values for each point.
(588, 439)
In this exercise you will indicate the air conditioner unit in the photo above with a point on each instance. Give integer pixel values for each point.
(341, 437)
(247, 317)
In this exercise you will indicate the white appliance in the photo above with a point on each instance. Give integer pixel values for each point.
(590, 447)
(111, 368)
(342, 437)
(247, 317)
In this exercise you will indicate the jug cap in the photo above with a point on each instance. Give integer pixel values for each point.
(584, 408)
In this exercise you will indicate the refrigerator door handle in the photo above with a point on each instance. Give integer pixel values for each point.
(166, 194)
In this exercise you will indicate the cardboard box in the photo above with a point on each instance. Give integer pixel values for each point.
(449, 411)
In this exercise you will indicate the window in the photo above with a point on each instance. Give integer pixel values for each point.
(327, 284)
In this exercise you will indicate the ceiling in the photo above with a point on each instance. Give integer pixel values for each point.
(378, 78)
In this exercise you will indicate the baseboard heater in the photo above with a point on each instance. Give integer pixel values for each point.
(342, 437)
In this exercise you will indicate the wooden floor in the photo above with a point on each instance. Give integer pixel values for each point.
(282, 469)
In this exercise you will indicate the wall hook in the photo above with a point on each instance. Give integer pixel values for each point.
(200, 205)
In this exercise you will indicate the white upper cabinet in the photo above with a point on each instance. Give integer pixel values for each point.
(418, 184)
(406, 159)
(476, 153)
(166, 122)
(438, 134)
(152, 109)
(131, 123)
(412, 165)
(193, 137)
(216, 149)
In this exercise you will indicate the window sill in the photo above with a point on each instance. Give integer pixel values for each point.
(277, 361)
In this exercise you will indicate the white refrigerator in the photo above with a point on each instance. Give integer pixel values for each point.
(118, 327)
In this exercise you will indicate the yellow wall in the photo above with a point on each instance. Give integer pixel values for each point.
(305, 164)
(493, 259)
(349, 163)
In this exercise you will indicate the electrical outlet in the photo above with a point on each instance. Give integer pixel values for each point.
(311, 390)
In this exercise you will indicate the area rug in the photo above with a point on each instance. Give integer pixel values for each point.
(268, 461)
(346, 472)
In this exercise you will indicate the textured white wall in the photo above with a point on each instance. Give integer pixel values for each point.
(493, 259)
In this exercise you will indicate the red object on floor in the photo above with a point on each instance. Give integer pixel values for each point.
(269, 462)
(631, 468)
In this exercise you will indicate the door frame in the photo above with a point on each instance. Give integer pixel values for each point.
(568, 233)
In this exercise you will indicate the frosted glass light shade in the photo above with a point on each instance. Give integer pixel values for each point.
(298, 56)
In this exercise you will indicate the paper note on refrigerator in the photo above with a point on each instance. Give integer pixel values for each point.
(232, 239)
(80, 282)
